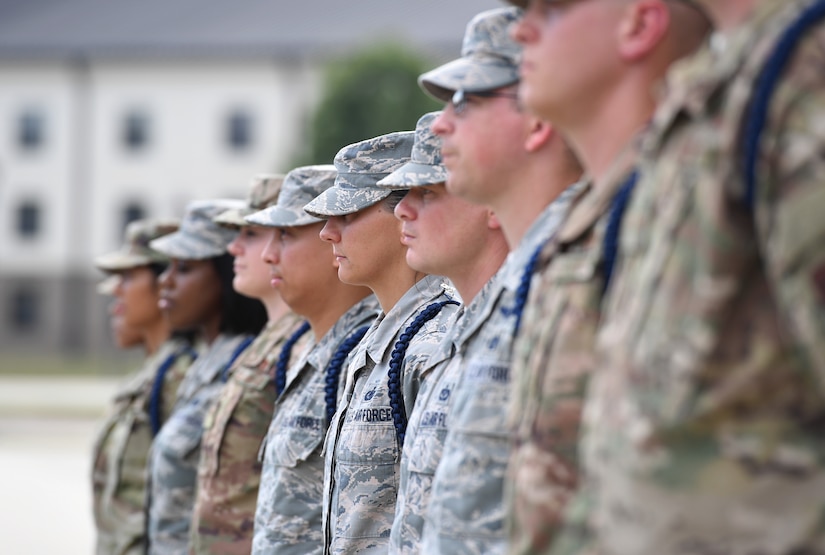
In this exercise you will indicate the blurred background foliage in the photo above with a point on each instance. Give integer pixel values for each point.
(371, 93)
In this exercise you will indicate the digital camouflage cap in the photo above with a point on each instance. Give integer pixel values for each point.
(199, 237)
(300, 186)
(489, 58)
(135, 250)
(263, 192)
(360, 166)
(424, 167)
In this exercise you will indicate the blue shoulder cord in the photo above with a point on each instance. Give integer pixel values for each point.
(156, 394)
(333, 371)
(614, 222)
(399, 416)
(283, 359)
(523, 289)
(235, 354)
(765, 87)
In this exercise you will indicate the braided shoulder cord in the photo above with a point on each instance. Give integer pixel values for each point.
(765, 87)
(235, 354)
(332, 375)
(156, 394)
(283, 359)
(399, 416)
(611, 235)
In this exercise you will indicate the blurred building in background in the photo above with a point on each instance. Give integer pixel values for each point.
(112, 110)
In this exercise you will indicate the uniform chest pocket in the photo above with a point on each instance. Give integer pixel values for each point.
(481, 398)
(214, 426)
(238, 421)
(180, 437)
(426, 449)
(366, 474)
(298, 427)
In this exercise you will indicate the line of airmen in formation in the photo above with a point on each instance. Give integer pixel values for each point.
(497, 334)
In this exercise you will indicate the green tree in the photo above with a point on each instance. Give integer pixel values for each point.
(371, 93)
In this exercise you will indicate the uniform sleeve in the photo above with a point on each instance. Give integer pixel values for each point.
(790, 208)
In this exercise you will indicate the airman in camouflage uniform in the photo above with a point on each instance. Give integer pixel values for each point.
(234, 427)
(448, 236)
(703, 425)
(121, 450)
(288, 513)
(362, 447)
(176, 450)
(466, 511)
(555, 351)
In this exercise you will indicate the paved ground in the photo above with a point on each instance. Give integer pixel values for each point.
(46, 431)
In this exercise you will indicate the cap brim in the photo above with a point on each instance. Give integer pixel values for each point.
(414, 174)
(276, 216)
(470, 75)
(114, 261)
(108, 285)
(187, 247)
(338, 201)
(234, 217)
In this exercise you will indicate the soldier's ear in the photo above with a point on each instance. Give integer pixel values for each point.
(643, 26)
(492, 220)
(539, 134)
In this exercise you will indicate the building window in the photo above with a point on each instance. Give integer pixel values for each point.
(136, 130)
(239, 130)
(24, 310)
(131, 212)
(31, 130)
(28, 219)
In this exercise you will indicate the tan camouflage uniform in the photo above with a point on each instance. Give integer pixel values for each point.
(288, 514)
(362, 454)
(466, 510)
(121, 453)
(234, 427)
(704, 423)
(121, 450)
(554, 356)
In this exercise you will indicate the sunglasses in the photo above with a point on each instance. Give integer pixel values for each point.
(460, 98)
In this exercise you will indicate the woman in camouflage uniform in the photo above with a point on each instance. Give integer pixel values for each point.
(145, 400)
(363, 444)
(196, 292)
(229, 472)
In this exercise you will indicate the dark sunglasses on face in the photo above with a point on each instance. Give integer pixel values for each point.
(460, 98)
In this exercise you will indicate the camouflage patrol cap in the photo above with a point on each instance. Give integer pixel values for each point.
(263, 192)
(489, 58)
(360, 166)
(199, 237)
(301, 185)
(135, 250)
(424, 167)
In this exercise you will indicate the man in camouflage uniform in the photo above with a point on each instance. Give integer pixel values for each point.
(518, 166)
(703, 425)
(236, 424)
(288, 513)
(121, 450)
(448, 236)
(600, 104)
(365, 437)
